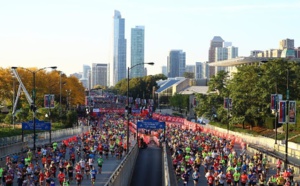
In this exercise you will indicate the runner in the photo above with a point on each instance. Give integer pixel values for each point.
(100, 163)
(93, 174)
(79, 178)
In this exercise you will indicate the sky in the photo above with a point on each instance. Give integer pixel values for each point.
(70, 33)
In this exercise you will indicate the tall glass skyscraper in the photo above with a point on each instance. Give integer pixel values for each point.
(118, 68)
(176, 63)
(137, 50)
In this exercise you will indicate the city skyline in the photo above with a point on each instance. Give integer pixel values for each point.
(68, 35)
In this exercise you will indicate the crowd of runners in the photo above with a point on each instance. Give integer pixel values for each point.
(71, 161)
(222, 162)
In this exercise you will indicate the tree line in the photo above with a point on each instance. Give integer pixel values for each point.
(250, 89)
(71, 94)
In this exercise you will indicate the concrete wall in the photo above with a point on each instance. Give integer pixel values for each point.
(165, 167)
(267, 144)
(273, 159)
(123, 173)
(293, 148)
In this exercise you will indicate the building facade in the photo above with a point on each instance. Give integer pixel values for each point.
(190, 68)
(286, 44)
(254, 53)
(217, 41)
(99, 74)
(201, 70)
(137, 51)
(176, 63)
(118, 67)
(164, 70)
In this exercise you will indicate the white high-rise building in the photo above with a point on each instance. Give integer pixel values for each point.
(164, 70)
(85, 79)
(137, 51)
(99, 74)
(118, 67)
(201, 70)
(233, 52)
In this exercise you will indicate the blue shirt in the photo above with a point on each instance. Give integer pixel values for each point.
(93, 173)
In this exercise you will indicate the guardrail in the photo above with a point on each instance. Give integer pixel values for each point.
(123, 173)
(42, 135)
(165, 166)
(10, 140)
(17, 147)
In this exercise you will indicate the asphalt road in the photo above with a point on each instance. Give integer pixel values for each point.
(148, 167)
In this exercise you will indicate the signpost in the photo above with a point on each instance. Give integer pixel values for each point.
(39, 125)
(150, 124)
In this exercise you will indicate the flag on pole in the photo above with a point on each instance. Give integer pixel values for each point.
(282, 111)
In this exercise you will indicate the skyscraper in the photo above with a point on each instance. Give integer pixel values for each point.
(86, 69)
(286, 44)
(201, 70)
(85, 76)
(164, 70)
(217, 41)
(190, 68)
(225, 53)
(118, 68)
(137, 50)
(99, 74)
(176, 63)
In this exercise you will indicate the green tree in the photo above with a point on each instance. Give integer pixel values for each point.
(179, 101)
(189, 75)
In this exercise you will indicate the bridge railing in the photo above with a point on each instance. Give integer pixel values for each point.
(18, 146)
(123, 173)
(165, 166)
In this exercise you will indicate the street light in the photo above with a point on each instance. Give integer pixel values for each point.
(276, 103)
(13, 101)
(287, 120)
(129, 68)
(33, 106)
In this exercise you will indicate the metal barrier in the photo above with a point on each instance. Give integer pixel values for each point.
(123, 173)
(17, 147)
(10, 140)
(43, 137)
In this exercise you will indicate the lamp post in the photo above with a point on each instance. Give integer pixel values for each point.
(276, 103)
(287, 119)
(60, 86)
(33, 106)
(129, 68)
(13, 103)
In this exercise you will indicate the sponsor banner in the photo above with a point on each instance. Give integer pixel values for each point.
(292, 112)
(49, 100)
(96, 110)
(227, 103)
(274, 100)
(135, 111)
(282, 111)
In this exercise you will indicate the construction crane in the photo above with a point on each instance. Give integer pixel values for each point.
(21, 87)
